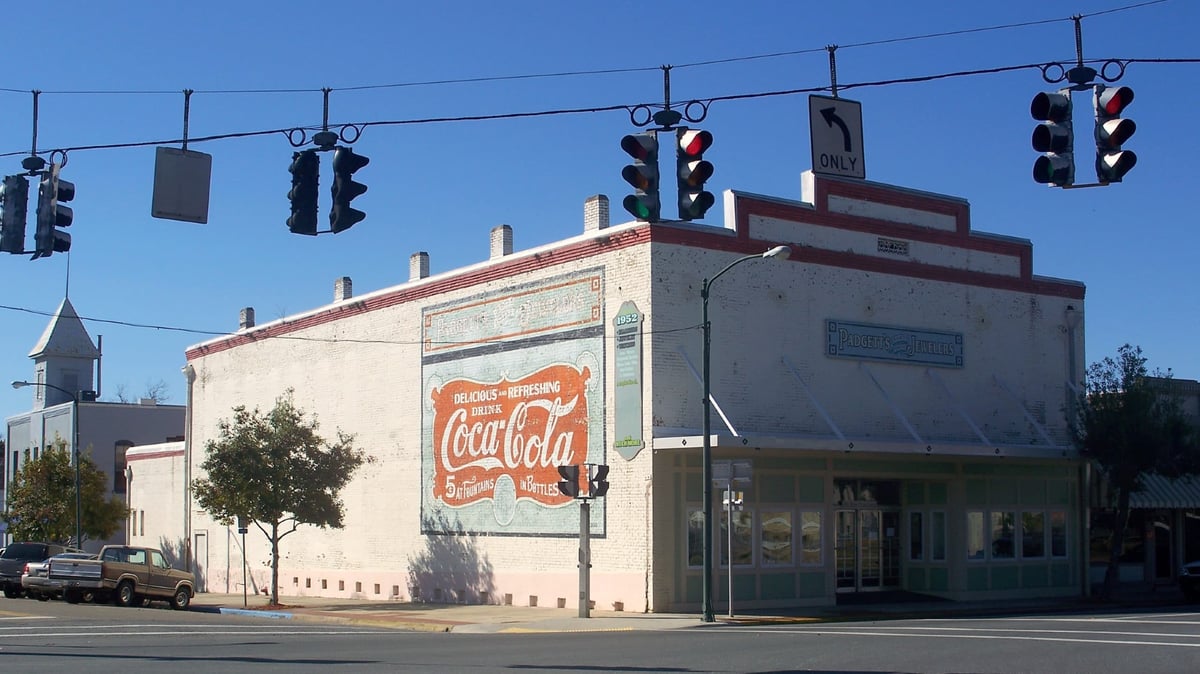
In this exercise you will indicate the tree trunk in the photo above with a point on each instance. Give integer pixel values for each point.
(274, 563)
(1116, 544)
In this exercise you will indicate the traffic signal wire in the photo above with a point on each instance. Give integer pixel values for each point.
(586, 110)
(329, 340)
(609, 71)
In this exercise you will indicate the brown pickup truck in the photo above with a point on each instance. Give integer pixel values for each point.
(129, 575)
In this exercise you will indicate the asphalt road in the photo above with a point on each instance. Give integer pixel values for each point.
(54, 636)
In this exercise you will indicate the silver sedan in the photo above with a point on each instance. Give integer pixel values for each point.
(35, 579)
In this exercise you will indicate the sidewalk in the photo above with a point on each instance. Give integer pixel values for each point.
(490, 618)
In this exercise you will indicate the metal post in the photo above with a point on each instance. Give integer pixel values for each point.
(706, 609)
(245, 600)
(729, 532)
(585, 557)
(78, 496)
(241, 525)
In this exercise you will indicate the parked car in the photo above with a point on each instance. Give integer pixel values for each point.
(1189, 580)
(129, 574)
(16, 556)
(36, 580)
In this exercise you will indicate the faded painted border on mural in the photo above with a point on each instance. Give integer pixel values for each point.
(512, 385)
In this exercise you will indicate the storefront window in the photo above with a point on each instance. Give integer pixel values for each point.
(1003, 532)
(975, 535)
(695, 542)
(1033, 534)
(810, 537)
(776, 537)
(866, 492)
(1058, 534)
(937, 536)
(916, 543)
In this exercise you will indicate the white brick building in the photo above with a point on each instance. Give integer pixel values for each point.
(896, 389)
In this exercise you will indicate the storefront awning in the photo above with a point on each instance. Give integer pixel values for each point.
(1164, 492)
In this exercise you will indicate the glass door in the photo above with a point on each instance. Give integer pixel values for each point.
(846, 551)
(867, 550)
(890, 551)
(870, 561)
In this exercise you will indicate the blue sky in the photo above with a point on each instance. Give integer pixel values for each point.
(440, 187)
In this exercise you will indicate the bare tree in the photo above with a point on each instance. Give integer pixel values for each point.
(158, 391)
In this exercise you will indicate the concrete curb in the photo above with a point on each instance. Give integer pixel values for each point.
(279, 615)
(473, 621)
(317, 615)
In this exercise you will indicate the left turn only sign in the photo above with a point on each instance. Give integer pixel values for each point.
(836, 130)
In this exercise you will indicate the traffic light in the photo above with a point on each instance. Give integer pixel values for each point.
(569, 486)
(345, 163)
(1054, 137)
(51, 214)
(693, 172)
(1112, 163)
(306, 172)
(597, 480)
(15, 198)
(642, 174)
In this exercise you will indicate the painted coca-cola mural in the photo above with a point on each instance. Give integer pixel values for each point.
(512, 391)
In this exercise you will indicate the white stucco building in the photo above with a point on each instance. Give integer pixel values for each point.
(65, 410)
(894, 392)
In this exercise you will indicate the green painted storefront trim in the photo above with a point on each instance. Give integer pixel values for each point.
(778, 585)
(916, 580)
(1005, 577)
(977, 578)
(1004, 491)
(774, 488)
(1033, 492)
(1043, 470)
(811, 585)
(812, 489)
(799, 463)
(938, 493)
(914, 493)
(745, 587)
(1058, 492)
(1060, 575)
(939, 579)
(910, 467)
(1035, 576)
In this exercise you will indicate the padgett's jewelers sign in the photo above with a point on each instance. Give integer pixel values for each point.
(845, 339)
(514, 433)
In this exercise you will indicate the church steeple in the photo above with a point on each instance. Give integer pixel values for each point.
(64, 356)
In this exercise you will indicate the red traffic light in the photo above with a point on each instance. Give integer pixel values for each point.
(1110, 101)
(693, 142)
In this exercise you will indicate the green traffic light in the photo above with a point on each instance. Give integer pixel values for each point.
(642, 207)
(1058, 170)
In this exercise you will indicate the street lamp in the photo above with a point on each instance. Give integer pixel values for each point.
(74, 451)
(778, 252)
